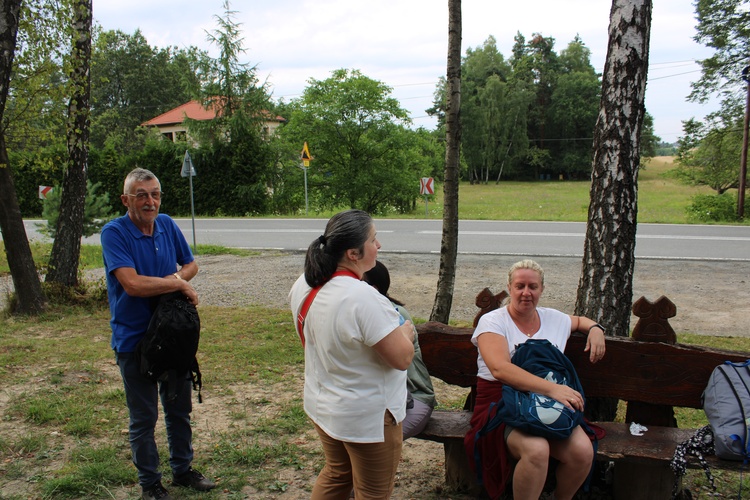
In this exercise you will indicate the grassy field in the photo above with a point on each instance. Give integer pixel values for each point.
(661, 199)
(62, 433)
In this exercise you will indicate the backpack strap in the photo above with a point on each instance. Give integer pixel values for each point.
(302, 314)
(196, 378)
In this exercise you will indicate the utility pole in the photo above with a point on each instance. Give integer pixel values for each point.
(743, 159)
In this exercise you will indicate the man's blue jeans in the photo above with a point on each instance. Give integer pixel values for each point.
(142, 396)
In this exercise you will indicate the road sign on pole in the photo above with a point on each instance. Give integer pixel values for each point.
(306, 158)
(44, 191)
(426, 187)
(306, 155)
(189, 171)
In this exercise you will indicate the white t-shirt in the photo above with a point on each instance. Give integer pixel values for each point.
(554, 326)
(348, 386)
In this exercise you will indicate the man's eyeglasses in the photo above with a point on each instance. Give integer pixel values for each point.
(143, 196)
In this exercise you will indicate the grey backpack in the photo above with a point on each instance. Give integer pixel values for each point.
(726, 401)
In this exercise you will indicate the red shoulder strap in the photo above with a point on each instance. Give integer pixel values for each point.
(308, 302)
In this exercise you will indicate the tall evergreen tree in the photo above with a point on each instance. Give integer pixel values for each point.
(234, 138)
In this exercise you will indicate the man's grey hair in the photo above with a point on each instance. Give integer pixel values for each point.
(138, 175)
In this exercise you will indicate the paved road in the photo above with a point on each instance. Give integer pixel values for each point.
(564, 239)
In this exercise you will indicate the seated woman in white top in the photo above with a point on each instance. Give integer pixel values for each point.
(497, 335)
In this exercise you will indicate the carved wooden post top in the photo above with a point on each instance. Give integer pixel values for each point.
(653, 320)
(486, 301)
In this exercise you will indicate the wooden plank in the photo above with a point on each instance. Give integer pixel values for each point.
(629, 371)
(656, 446)
(446, 425)
(448, 353)
(651, 372)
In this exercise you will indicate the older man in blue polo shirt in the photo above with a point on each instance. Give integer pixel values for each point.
(146, 255)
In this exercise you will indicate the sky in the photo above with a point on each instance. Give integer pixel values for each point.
(404, 43)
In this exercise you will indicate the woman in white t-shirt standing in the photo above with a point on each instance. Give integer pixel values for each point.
(497, 335)
(356, 354)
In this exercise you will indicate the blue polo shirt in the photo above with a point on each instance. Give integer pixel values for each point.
(124, 245)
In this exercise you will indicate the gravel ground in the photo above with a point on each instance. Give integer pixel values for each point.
(712, 297)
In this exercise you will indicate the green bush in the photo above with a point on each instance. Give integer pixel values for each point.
(713, 208)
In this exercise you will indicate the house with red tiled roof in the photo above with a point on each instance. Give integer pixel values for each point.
(171, 124)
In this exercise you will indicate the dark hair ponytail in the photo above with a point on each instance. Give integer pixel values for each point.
(344, 231)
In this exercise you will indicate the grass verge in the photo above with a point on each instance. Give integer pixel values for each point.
(63, 432)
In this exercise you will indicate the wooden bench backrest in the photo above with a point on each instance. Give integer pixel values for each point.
(629, 371)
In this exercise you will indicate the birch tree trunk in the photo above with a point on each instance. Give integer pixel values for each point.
(605, 290)
(441, 309)
(66, 249)
(29, 293)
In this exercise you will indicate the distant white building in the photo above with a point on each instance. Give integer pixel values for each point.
(171, 124)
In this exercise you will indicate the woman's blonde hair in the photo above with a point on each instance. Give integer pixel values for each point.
(525, 264)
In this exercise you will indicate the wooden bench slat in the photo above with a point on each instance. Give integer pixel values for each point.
(446, 425)
(629, 369)
(445, 353)
(657, 445)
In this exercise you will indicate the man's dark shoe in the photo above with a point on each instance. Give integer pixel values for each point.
(194, 479)
(156, 492)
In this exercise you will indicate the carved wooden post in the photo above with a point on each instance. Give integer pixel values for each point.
(653, 326)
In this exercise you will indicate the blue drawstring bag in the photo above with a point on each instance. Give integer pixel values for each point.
(535, 413)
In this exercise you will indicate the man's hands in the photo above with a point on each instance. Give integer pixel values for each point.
(187, 289)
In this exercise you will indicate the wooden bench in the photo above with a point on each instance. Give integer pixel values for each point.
(650, 371)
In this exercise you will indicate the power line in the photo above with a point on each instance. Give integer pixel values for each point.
(671, 76)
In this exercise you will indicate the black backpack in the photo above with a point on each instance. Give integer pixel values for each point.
(167, 351)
